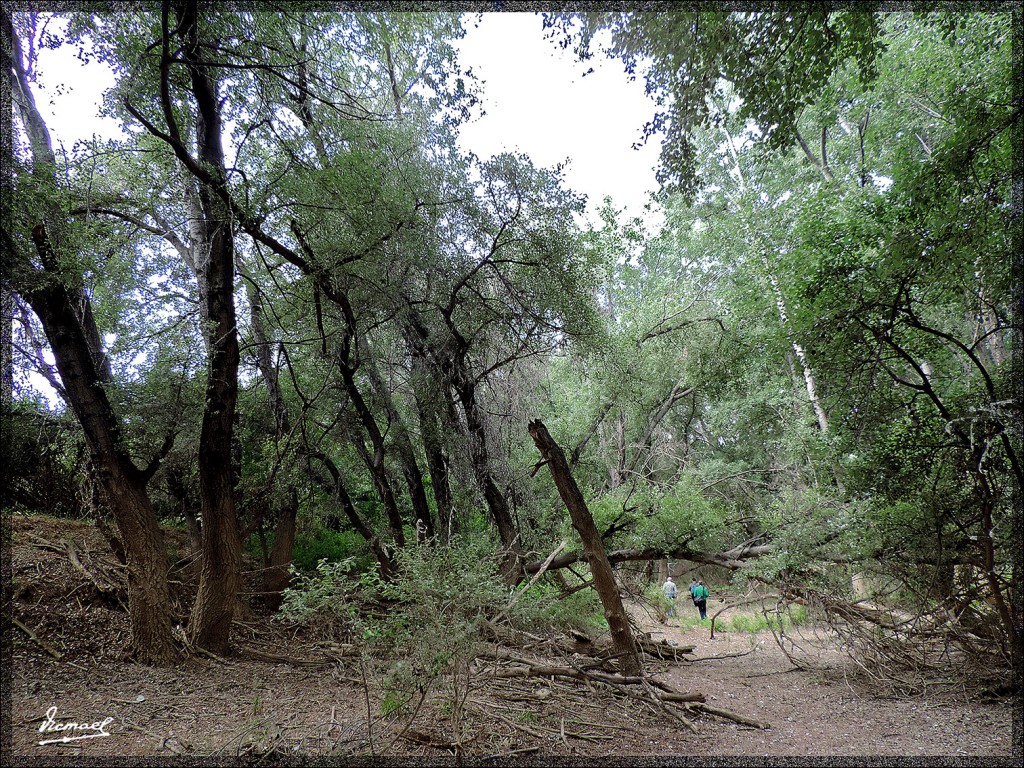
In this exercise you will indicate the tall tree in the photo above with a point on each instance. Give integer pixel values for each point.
(41, 246)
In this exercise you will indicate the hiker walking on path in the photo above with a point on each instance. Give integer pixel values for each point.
(671, 590)
(699, 592)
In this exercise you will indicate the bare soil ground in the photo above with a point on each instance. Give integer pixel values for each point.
(284, 697)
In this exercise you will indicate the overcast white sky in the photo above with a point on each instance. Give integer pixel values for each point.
(538, 102)
(534, 94)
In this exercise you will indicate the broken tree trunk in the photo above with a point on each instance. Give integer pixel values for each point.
(593, 548)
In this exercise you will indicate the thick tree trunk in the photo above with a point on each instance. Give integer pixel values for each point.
(147, 566)
(122, 484)
(220, 575)
(66, 315)
(593, 549)
(437, 466)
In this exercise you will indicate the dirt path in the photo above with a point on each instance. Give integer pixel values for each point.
(818, 713)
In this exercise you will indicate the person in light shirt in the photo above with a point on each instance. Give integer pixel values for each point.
(671, 591)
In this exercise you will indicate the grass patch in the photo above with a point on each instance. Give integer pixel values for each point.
(753, 623)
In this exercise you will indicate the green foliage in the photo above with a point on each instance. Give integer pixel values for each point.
(326, 597)
(660, 517)
(543, 608)
(777, 59)
(752, 623)
(333, 546)
(847, 227)
(43, 460)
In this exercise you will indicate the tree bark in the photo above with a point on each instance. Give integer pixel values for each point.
(497, 504)
(65, 312)
(123, 485)
(593, 548)
(276, 576)
(220, 575)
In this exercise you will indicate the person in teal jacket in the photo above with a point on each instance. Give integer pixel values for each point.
(700, 598)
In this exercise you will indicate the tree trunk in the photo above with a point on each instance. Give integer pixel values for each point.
(122, 484)
(497, 504)
(220, 575)
(374, 461)
(67, 319)
(148, 594)
(276, 576)
(593, 549)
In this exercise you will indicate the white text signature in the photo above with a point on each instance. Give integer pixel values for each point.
(72, 731)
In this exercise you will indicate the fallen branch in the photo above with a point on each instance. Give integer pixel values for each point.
(108, 587)
(728, 715)
(41, 543)
(658, 698)
(528, 669)
(37, 640)
(275, 658)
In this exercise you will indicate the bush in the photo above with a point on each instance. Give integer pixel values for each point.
(654, 596)
(313, 547)
(542, 608)
(430, 610)
(326, 598)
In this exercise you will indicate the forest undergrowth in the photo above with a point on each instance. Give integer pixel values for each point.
(455, 692)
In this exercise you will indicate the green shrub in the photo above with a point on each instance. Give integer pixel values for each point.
(312, 547)
(542, 608)
(654, 596)
(327, 597)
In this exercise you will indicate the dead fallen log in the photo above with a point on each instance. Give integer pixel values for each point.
(577, 642)
(275, 658)
(647, 688)
(659, 649)
(527, 668)
(727, 715)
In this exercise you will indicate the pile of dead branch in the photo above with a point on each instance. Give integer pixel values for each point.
(513, 694)
(901, 653)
